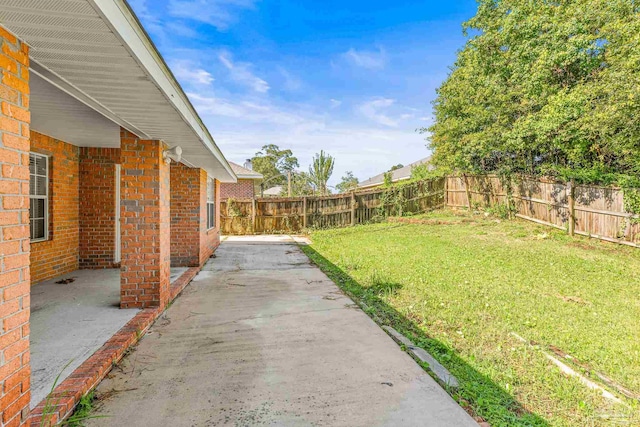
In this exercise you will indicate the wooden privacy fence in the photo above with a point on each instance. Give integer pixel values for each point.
(293, 214)
(579, 209)
(587, 210)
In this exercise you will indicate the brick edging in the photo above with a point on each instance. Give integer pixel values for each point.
(65, 397)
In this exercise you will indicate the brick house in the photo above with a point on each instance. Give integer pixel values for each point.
(90, 120)
(246, 185)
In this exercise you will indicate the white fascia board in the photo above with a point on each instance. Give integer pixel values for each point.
(241, 176)
(123, 22)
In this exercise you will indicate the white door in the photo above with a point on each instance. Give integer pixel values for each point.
(116, 257)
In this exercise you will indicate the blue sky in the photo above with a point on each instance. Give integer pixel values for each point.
(352, 77)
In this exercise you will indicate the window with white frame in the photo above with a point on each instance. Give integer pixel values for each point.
(39, 196)
(211, 204)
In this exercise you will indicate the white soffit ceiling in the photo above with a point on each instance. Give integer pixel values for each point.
(55, 113)
(96, 51)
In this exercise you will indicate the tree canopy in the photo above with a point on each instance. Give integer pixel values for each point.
(300, 185)
(544, 88)
(347, 183)
(274, 164)
(320, 171)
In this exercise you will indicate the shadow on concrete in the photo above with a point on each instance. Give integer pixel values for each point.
(478, 394)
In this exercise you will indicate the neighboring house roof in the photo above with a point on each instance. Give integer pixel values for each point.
(98, 55)
(397, 175)
(273, 191)
(244, 173)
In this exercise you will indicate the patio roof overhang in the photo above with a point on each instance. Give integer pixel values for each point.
(97, 52)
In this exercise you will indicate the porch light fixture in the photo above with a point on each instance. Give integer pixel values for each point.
(174, 154)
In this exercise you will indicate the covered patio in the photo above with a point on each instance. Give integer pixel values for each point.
(110, 191)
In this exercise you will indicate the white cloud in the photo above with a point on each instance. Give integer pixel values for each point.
(241, 73)
(291, 82)
(243, 124)
(180, 28)
(335, 103)
(218, 13)
(366, 59)
(189, 74)
(256, 112)
(373, 111)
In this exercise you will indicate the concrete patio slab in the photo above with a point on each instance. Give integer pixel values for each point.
(262, 337)
(69, 322)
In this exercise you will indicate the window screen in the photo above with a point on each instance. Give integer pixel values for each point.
(39, 195)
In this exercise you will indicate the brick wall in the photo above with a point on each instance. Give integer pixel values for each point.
(145, 198)
(186, 215)
(243, 189)
(14, 231)
(59, 254)
(191, 242)
(97, 207)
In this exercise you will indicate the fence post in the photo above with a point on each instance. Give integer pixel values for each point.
(304, 212)
(253, 215)
(353, 208)
(445, 202)
(467, 190)
(572, 207)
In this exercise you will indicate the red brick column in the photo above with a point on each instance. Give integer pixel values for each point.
(14, 231)
(186, 215)
(145, 228)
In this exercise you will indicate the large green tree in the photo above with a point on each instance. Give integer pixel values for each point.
(347, 183)
(274, 164)
(320, 171)
(300, 185)
(544, 87)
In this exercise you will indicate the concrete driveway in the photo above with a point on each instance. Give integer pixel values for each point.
(262, 337)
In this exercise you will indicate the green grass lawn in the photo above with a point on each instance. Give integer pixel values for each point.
(460, 285)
